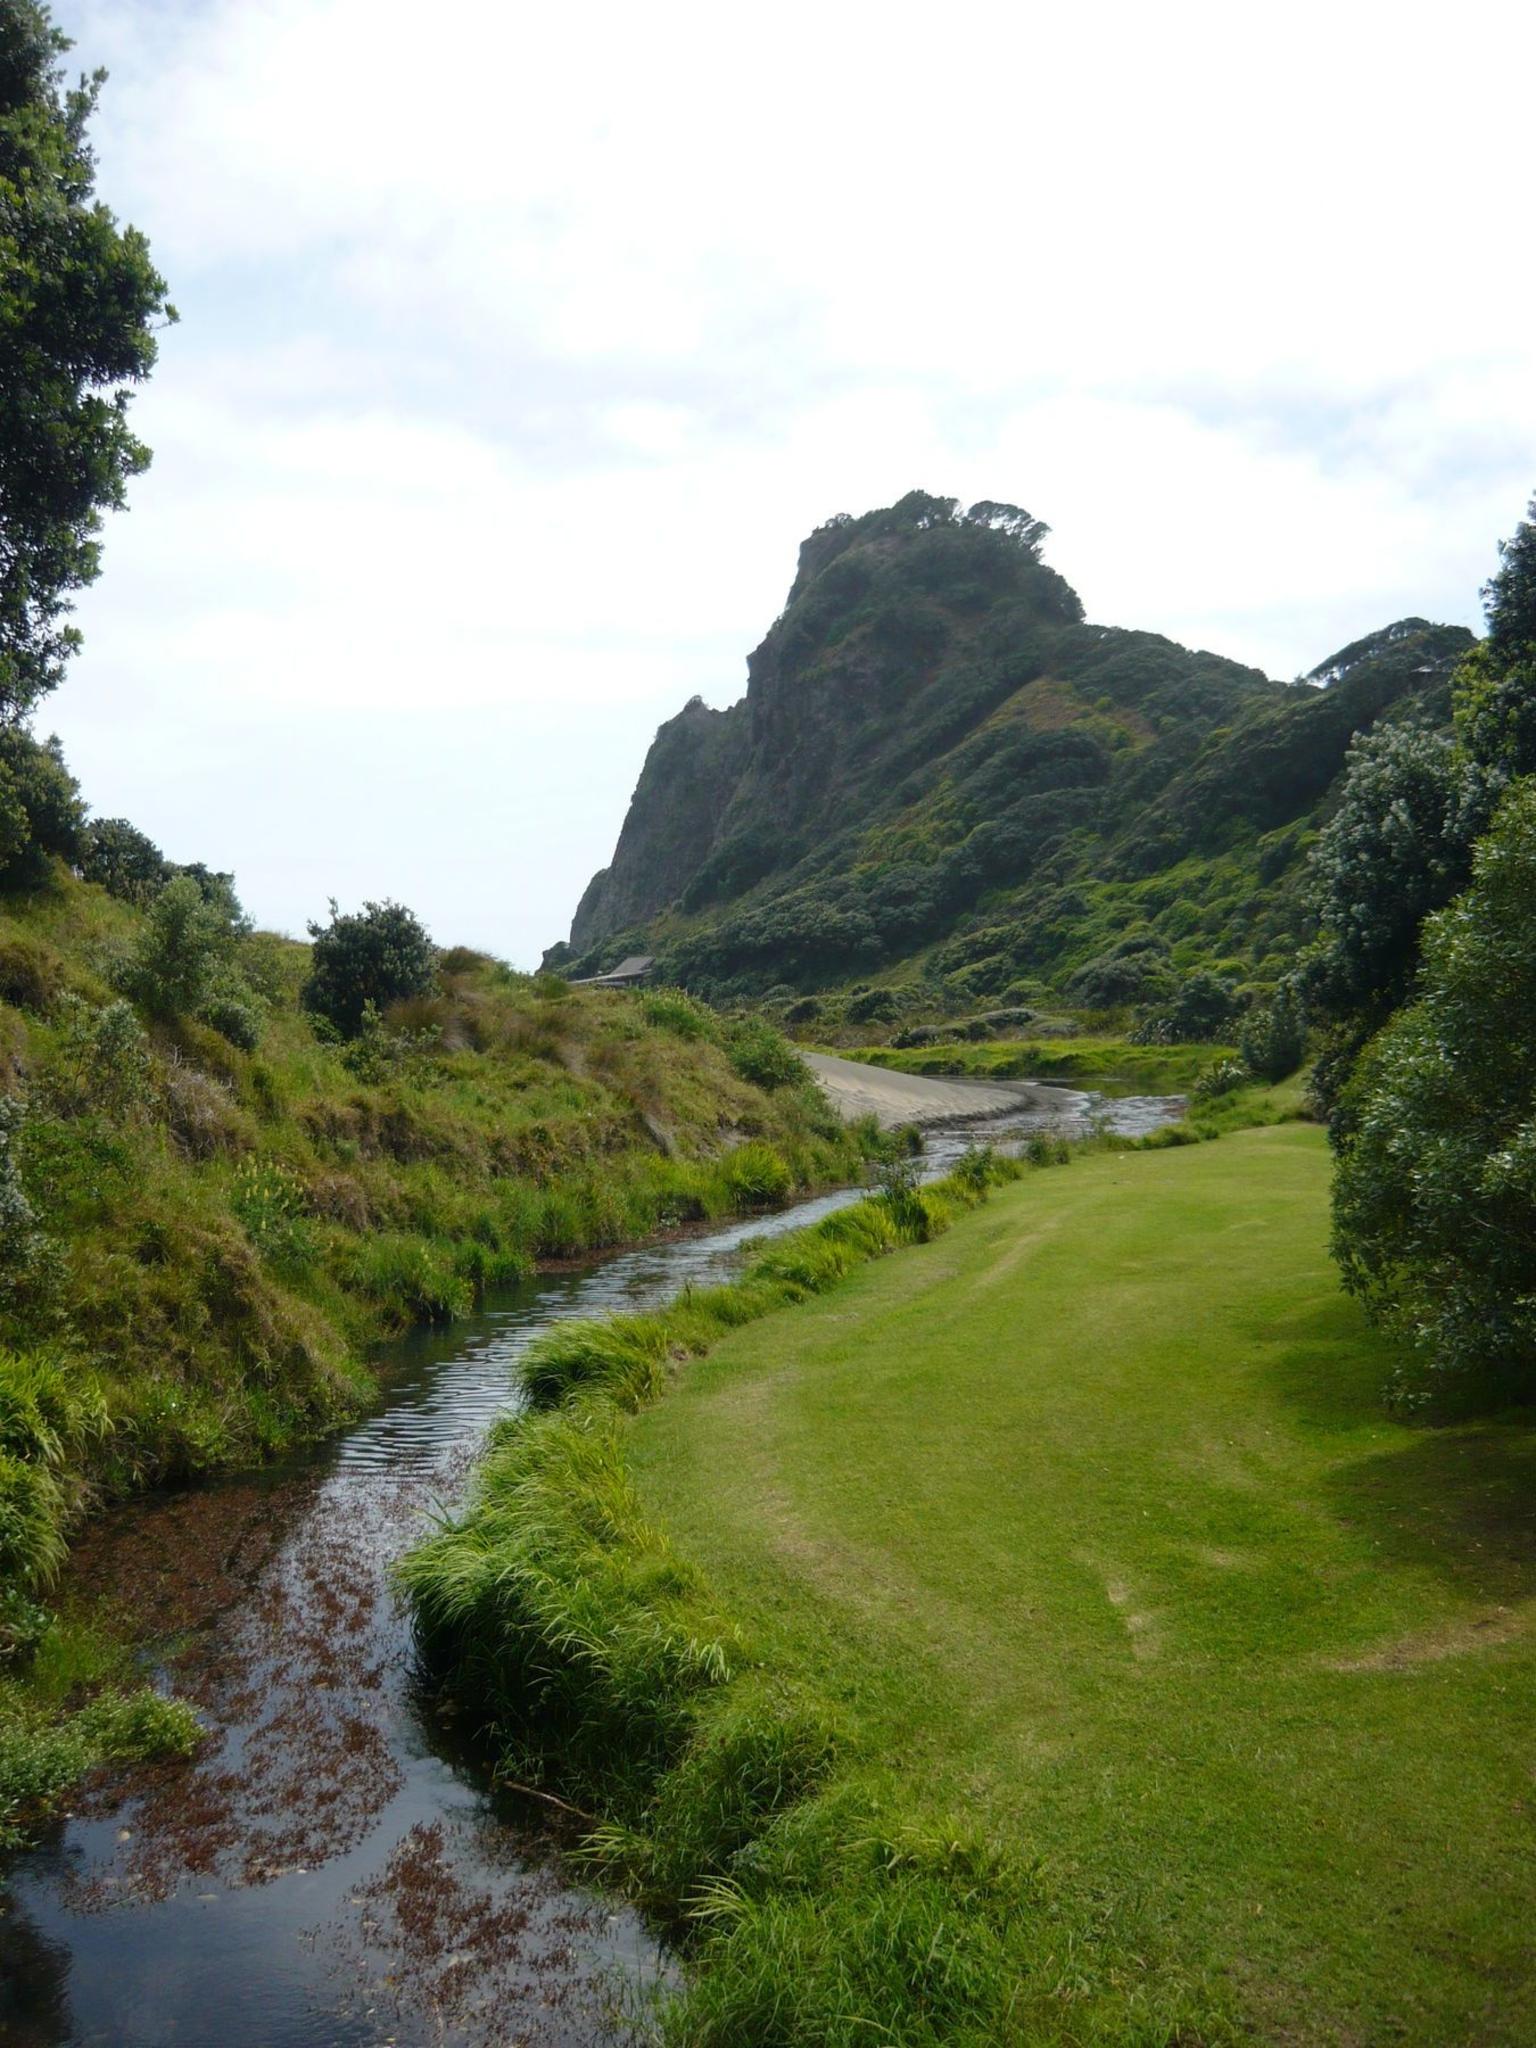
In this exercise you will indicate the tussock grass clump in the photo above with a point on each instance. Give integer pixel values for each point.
(565, 1616)
(50, 1410)
(757, 1176)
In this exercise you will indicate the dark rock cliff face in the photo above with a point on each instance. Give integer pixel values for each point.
(937, 757)
(854, 678)
(674, 814)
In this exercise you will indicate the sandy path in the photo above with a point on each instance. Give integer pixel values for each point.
(857, 1090)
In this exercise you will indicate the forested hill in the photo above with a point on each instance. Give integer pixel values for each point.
(941, 770)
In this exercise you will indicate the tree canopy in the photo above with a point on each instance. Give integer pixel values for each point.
(1510, 593)
(1435, 1198)
(80, 302)
(367, 959)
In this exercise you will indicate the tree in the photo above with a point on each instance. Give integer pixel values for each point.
(372, 957)
(79, 304)
(125, 861)
(1435, 1192)
(1273, 1040)
(1510, 594)
(188, 940)
(40, 808)
(1395, 849)
(1010, 519)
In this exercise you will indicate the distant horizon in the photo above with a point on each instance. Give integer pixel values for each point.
(494, 416)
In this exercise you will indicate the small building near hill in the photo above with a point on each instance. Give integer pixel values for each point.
(628, 974)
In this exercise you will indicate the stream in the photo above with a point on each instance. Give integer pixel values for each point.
(332, 1869)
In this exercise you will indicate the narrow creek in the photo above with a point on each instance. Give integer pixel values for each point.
(332, 1870)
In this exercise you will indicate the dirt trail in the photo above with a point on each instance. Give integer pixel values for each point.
(893, 1098)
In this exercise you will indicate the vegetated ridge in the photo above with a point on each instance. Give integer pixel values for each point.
(941, 771)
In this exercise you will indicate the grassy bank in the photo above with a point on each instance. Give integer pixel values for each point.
(1065, 1645)
(202, 1237)
(1095, 1062)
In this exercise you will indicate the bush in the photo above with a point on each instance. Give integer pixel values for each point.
(271, 1204)
(40, 808)
(1203, 1007)
(48, 1411)
(237, 1020)
(102, 1063)
(123, 860)
(1224, 1078)
(876, 1005)
(189, 938)
(902, 1196)
(377, 955)
(764, 1056)
(671, 1009)
(1273, 1040)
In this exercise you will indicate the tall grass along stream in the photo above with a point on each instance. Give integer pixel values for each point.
(330, 1869)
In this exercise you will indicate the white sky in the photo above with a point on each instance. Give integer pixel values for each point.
(521, 345)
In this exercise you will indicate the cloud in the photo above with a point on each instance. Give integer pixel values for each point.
(521, 347)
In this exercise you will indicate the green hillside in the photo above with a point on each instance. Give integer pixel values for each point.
(941, 775)
(204, 1237)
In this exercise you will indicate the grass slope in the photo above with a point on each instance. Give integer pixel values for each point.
(1088, 1523)
(201, 1243)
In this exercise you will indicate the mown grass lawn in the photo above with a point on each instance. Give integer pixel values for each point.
(1089, 1515)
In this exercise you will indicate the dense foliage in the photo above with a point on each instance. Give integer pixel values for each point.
(124, 860)
(1398, 846)
(40, 809)
(1435, 1200)
(365, 960)
(79, 302)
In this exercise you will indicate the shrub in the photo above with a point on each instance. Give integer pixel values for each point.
(458, 961)
(902, 1197)
(233, 1018)
(40, 808)
(1223, 1078)
(875, 1006)
(376, 955)
(189, 937)
(123, 860)
(270, 1202)
(102, 1062)
(1203, 1007)
(671, 1009)
(764, 1056)
(48, 1411)
(201, 1113)
(1273, 1040)
(975, 1168)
